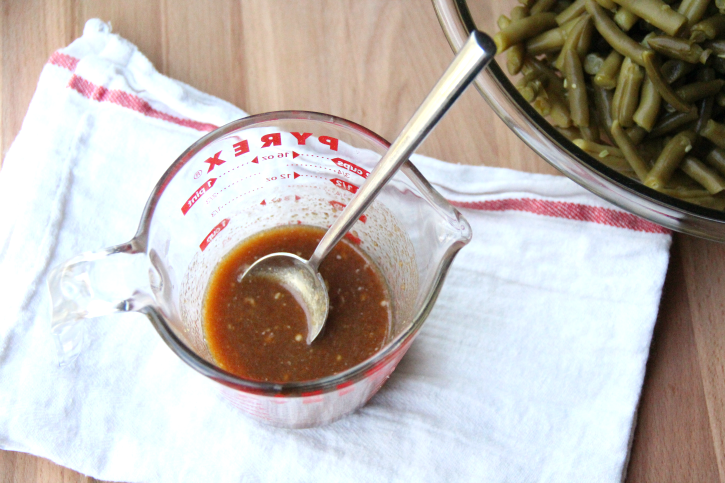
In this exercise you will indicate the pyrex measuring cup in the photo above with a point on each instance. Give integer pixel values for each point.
(253, 174)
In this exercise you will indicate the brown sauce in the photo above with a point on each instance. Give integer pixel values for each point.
(258, 331)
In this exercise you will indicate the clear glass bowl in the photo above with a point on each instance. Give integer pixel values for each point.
(458, 18)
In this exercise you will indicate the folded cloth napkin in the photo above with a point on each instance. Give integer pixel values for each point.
(529, 368)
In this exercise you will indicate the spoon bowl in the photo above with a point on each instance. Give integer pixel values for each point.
(301, 279)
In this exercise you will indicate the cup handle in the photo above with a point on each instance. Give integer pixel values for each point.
(116, 279)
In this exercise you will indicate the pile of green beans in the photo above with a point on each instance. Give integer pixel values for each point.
(637, 84)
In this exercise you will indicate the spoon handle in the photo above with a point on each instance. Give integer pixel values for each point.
(478, 50)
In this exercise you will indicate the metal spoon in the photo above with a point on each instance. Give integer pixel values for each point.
(301, 276)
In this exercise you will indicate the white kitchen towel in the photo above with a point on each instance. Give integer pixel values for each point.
(529, 369)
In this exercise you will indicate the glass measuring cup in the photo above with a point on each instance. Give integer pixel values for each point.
(253, 174)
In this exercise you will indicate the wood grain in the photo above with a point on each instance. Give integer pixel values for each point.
(372, 62)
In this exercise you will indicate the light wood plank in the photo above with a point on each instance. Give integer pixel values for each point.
(705, 280)
(673, 415)
(31, 31)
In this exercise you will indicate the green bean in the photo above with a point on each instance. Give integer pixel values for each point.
(585, 39)
(651, 66)
(710, 28)
(618, 164)
(677, 48)
(657, 13)
(553, 103)
(515, 54)
(720, 4)
(571, 12)
(603, 106)
(625, 19)
(608, 4)
(630, 151)
(716, 159)
(515, 58)
(571, 132)
(559, 108)
(620, 41)
(636, 134)
(699, 90)
(673, 70)
(693, 10)
(531, 85)
(549, 41)
(607, 75)
(572, 40)
(503, 21)
(576, 87)
(670, 159)
(717, 46)
(708, 178)
(649, 106)
(697, 196)
(673, 121)
(532, 64)
(609, 155)
(519, 12)
(598, 150)
(626, 94)
(530, 90)
(688, 193)
(541, 104)
(542, 6)
(591, 132)
(520, 30)
(708, 103)
(715, 132)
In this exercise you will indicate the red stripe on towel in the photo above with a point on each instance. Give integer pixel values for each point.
(63, 60)
(120, 98)
(569, 211)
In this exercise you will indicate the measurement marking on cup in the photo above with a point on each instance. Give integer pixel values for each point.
(238, 181)
(334, 170)
(344, 185)
(216, 211)
(281, 176)
(351, 167)
(213, 233)
(236, 167)
(197, 195)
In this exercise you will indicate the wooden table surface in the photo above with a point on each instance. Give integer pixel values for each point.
(373, 61)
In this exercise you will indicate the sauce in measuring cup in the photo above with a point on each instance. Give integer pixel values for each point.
(257, 330)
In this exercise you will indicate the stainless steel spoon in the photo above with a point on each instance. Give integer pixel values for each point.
(301, 276)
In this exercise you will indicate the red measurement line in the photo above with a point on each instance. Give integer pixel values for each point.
(239, 196)
(236, 167)
(313, 165)
(237, 181)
